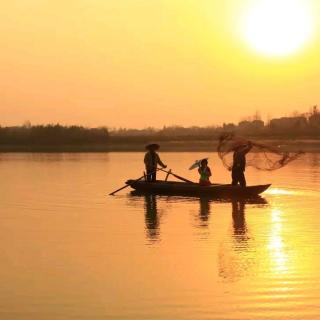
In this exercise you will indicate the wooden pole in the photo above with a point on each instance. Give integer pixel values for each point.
(167, 176)
(127, 185)
(178, 177)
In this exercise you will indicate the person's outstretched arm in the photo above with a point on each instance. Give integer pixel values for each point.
(160, 162)
(248, 147)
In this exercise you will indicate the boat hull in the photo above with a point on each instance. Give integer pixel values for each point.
(194, 189)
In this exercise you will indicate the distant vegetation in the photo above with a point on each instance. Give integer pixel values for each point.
(52, 135)
(55, 137)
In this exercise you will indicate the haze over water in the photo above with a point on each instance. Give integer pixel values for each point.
(70, 251)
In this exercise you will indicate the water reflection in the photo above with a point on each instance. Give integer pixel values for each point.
(204, 204)
(240, 229)
(204, 212)
(235, 255)
(239, 221)
(79, 247)
(151, 217)
(276, 244)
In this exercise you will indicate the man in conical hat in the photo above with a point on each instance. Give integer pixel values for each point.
(151, 161)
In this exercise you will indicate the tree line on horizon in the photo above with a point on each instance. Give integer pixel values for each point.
(52, 135)
(303, 125)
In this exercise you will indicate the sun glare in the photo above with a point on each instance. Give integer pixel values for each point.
(277, 27)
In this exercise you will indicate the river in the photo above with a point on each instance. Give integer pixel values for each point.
(70, 251)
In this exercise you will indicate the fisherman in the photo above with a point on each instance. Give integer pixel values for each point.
(205, 173)
(239, 164)
(151, 161)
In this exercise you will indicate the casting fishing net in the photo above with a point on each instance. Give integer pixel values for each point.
(261, 156)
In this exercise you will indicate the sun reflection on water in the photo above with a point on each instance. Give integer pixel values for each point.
(279, 258)
(278, 191)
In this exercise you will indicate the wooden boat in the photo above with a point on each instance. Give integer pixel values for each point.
(194, 189)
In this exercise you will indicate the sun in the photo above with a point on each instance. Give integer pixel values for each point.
(277, 28)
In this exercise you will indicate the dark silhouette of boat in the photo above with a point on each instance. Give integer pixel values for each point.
(194, 189)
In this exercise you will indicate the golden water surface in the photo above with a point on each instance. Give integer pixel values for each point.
(70, 251)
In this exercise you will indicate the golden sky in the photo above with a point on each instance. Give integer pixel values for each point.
(139, 63)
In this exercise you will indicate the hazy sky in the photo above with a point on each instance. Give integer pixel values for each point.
(138, 63)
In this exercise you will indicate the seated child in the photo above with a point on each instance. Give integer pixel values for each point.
(205, 173)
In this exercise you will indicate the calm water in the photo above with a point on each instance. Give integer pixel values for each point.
(69, 251)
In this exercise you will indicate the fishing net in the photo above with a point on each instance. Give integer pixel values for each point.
(261, 156)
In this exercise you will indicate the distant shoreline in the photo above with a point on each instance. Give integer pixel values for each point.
(306, 145)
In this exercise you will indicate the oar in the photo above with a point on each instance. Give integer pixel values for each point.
(178, 177)
(127, 185)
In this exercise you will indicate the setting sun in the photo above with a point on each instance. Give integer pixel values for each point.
(277, 27)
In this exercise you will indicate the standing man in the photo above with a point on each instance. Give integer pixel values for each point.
(239, 164)
(151, 161)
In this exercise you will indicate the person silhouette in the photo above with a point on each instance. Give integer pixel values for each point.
(205, 173)
(239, 164)
(151, 161)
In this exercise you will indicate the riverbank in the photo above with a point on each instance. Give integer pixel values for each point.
(306, 145)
